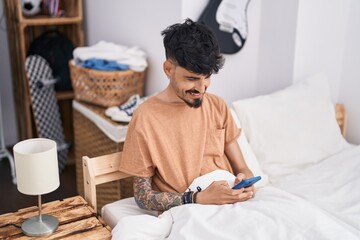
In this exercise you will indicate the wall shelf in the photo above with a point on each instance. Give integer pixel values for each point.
(42, 20)
(64, 95)
(22, 30)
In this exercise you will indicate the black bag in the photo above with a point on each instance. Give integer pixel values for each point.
(57, 49)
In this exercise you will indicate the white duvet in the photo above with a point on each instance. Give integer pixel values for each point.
(323, 202)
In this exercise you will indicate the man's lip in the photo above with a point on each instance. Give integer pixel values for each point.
(195, 95)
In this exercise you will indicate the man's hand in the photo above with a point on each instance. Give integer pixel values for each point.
(219, 192)
(242, 176)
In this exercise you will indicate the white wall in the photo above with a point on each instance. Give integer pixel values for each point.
(330, 44)
(350, 80)
(320, 41)
(6, 88)
(276, 44)
(287, 41)
(243, 83)
(134, 23)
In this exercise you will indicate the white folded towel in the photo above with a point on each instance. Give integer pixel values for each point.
(134, 57)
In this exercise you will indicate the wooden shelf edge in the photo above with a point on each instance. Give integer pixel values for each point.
(64, 95)
(50, 21)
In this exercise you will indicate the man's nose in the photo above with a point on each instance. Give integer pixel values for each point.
(202, 84)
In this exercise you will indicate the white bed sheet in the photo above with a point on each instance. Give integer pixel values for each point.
(322, 202)
(333, 185)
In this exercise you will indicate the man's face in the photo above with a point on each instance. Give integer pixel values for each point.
(188, 86)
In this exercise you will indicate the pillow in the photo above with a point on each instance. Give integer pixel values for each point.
(293, 128)
(205, 180)
(248, 154)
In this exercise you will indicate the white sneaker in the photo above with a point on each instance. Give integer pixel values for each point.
(124, 112)
(128, 104)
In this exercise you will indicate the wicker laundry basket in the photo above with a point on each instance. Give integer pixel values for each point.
(105, 88)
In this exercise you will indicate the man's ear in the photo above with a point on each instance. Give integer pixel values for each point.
(168, 66)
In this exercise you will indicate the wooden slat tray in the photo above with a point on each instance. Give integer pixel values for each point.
(77, 220)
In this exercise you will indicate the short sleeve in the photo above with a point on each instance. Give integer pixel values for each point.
(135, 156)
(232, 132)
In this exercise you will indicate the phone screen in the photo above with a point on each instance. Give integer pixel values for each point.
(247, 182)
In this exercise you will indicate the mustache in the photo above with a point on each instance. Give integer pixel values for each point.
(194, 91)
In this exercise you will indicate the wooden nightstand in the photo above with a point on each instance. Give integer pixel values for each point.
(77, 220)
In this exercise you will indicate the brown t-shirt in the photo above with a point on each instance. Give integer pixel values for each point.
(174, 143)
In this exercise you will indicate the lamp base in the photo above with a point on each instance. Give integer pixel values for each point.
(35, 228)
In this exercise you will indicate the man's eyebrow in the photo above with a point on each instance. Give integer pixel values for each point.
(196, 77)
(191, 76)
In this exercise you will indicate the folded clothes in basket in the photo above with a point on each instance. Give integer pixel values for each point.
(124, 112)
(134, 57)
(104, 65)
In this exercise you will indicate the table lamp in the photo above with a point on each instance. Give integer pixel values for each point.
(37, 172)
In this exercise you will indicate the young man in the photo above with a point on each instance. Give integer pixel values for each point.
(184, 132)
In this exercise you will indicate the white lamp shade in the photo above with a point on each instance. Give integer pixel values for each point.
(36, 166)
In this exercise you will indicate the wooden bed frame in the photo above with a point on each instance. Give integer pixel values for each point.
(103, 169)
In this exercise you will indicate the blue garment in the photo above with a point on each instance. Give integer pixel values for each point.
(104, 65)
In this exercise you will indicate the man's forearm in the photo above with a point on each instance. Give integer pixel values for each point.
(149, 199)
(236, 159)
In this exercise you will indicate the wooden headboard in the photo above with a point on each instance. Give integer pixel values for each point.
(103, 169)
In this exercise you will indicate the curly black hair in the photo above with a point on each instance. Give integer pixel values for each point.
(193, 46)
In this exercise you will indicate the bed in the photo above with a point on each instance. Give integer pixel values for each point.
(294, 139)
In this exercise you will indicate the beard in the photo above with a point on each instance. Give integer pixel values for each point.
(196, 102)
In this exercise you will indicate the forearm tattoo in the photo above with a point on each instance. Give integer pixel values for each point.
(147, 198)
